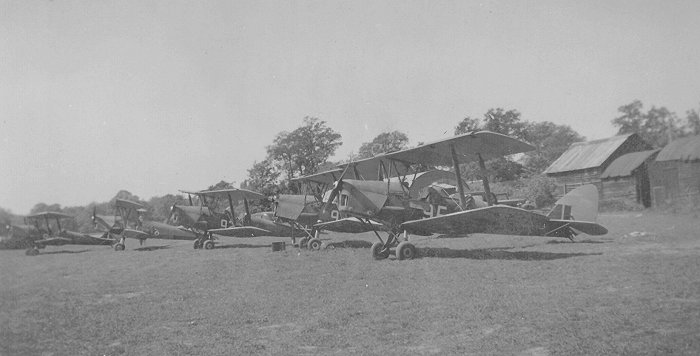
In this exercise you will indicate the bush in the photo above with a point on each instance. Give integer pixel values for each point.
(538, 190)
(619, 205)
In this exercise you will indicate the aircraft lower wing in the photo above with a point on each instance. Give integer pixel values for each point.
(53, 241)
(101, 238)
(497, 219)
(349, 225)
(585, 227)
(241, 231)
(135, 234)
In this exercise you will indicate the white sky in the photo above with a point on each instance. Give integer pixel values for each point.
(156, 96)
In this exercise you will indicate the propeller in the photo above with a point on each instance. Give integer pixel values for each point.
(337, 187)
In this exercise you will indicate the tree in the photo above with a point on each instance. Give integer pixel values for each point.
(658, 126)
(5, 221)
(550, 141)
(383, 143)
(504, 122)
(161, 206)
(692, 122)
(301, 151)
(631, 119)
(221, 185)
(262, 178)
(467, 125)
(42, 207)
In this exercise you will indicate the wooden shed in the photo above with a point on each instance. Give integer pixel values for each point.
(675, 174)
(627, 178)
(584, 162)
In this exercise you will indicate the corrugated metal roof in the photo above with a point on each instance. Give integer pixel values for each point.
(625, 164)
(684, 149)
(590, 154)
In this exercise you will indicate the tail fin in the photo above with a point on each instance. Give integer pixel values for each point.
(581, 204)
(579, 208)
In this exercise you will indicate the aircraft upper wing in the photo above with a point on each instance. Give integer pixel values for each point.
(368, 168)
(467, 146)
(497, 219)
(326, 177)
(50, 215)
(128, 204)
(241, 231)
(189, 192)
(235, 193)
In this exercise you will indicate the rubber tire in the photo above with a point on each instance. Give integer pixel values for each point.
(377, 251)
(314, 244)
(208, 245)
(405, 251)
(119, 247)
(197, 244)
(31, 252)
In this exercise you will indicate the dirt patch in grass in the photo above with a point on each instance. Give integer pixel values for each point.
(633, 291)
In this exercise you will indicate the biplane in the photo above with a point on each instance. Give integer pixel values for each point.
(128, 222)
(216, 215)
(289, 218)
(51, 233)
(380, 190)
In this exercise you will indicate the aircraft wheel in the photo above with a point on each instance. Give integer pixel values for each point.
(197, 244)
(405, 251)
(377, 251)
(208, 245)
(119, 247)
(32, 252)
(314, 244)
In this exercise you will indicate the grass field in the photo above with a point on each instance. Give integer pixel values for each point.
(634, 291)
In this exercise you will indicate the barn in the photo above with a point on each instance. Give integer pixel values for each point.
(675, 174)
(585, 162)
(627, 178)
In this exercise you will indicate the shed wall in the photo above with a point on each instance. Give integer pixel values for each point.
(672, 181)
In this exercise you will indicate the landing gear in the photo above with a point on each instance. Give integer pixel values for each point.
(314, 244)
(405, 251)
(205, 242)
(32, 251)
(378, 251)
(119, 246)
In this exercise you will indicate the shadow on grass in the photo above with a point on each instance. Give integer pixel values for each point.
(496, 254)
(350, 244)
(152, 248)
(242, 246)
(577, 242)
(62, 251)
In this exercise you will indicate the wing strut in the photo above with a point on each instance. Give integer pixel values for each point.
(230, 205)
(485, 180)
(460, 187)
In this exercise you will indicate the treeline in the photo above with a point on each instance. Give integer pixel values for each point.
(306, 150)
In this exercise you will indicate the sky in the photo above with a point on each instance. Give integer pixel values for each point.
(156, 96)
